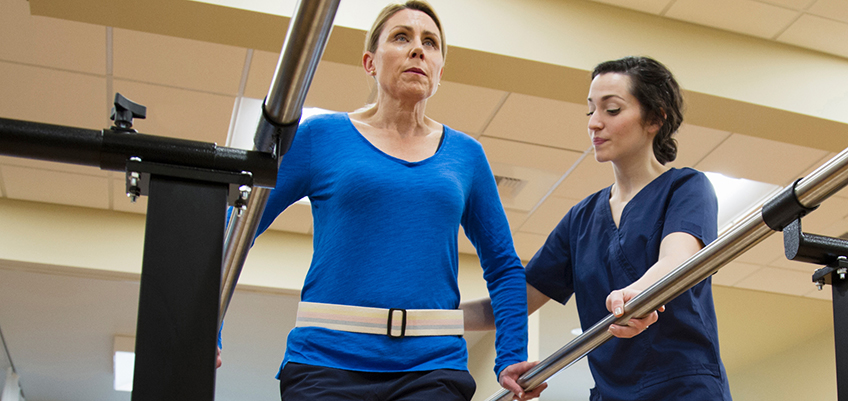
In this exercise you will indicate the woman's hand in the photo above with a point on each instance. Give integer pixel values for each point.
(509, 380)
(615, 304)
(218, 359)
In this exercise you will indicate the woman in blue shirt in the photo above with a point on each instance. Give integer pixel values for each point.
(617, 242)
(389, 189)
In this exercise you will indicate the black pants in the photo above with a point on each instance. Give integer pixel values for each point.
(306, 382)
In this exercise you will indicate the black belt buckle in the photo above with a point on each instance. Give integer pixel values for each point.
(402, 326)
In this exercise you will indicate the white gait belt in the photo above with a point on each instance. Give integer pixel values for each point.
(391, 322)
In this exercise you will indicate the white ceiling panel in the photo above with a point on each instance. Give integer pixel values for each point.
(526, 244)
(783, 281)
(45, 165)
(809, 30)
(587, 178)
(170, 61)
(804, 267)
(516, 219)
(529, 155)
(464, 107)
(743, 16)
(793, 4)
(296, 218)
(465, 245)
(121, 202)
(733, 273)
(54, 97)
(546, 217)
(694, 143)
(833, 9)
(180, 113)
(50, 42)
(826, 293)
(768, 250)
(541, 121)
(645, 6)
(56, 187)
(338, 87)
(262, 66)
(742, 156)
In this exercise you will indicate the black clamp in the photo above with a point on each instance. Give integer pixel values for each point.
(402, 326)
(784, 209)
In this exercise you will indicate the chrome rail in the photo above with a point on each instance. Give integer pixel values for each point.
(304, 45)
(810, 192)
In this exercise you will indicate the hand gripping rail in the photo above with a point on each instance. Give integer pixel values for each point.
(307, 36)
(809, 191)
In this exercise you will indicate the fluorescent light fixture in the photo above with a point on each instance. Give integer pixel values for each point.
(123, 362)
(736, 196)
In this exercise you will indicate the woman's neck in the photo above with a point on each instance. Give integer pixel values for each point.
(405, 118)
(631, 176)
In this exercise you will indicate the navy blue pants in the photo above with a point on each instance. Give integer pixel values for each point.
(306, 382)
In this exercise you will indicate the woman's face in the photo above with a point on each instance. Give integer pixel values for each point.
(615, 120)
(408, 61)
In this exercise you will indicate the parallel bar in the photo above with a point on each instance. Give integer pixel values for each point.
(840, 334)
(305, 41)
(110, 150)
(811, 191)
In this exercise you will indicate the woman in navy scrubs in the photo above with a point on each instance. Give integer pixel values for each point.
(617, 242)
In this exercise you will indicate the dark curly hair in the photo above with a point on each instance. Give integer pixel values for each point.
(658, 93)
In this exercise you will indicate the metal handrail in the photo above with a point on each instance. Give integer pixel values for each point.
(305, 41)
(810, 192)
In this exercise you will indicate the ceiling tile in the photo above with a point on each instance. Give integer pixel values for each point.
(832, 210)
(743, 16)
(526, 244)
(646, 6)
(337, 87)
(546, 217)
(807, 268)
(694, 143)
(122, 203)
(832, 9)
(262, 66)
(50, 42)
(826, 293)
(56, 187)
(180, 113)
(53, 96)
(781, 281)
(733, 272)
(541, 121)
(529, 155)
(296, 218)
(793, 4)
(177, 62)
(768, 250)
(818, 33)
(742, 156)
(464, 107)
(54, 166)
(587, 178)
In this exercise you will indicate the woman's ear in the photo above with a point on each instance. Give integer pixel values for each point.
(368, 63)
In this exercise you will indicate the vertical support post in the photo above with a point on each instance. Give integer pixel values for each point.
(840, 333)
(176, 336)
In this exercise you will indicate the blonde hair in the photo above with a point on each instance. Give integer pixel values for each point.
(373, 37)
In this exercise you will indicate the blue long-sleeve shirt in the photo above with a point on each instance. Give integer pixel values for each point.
(385, 235)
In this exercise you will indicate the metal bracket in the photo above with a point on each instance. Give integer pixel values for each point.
(138, 180)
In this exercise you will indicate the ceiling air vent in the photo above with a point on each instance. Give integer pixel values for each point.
(509, 187)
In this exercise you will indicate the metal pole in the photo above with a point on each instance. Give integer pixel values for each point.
(810, 191)
(307, 36)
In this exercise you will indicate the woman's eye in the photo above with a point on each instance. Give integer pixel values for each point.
(589, 114)
(400, 37)
(430, 42)
(614, 111)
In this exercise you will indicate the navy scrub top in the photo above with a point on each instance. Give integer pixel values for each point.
(588, 256)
